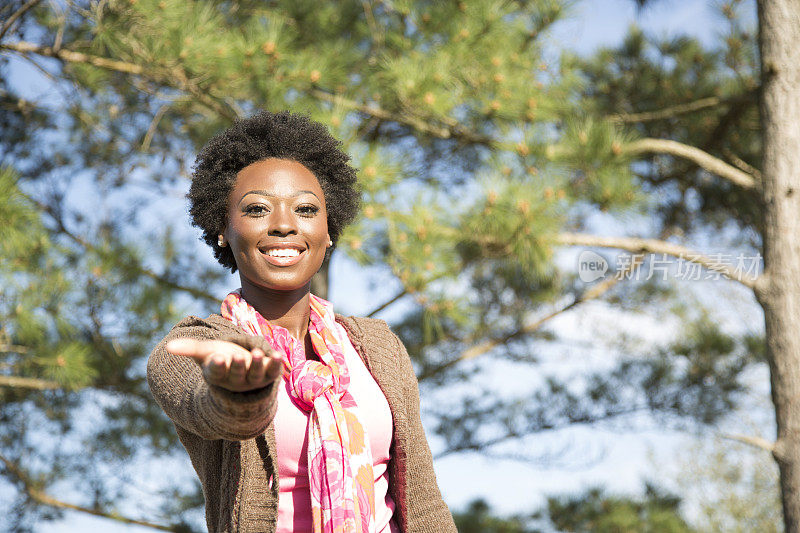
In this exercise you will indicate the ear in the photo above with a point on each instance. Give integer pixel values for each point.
(330, 242)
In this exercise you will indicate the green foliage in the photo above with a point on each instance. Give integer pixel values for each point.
(477, 518)
(700, 374)
(21, 236)
(601, 173)
(592, 510)
(595, 511)
(653, 87)
(37, 339)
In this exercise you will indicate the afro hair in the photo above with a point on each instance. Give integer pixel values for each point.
(268, 135)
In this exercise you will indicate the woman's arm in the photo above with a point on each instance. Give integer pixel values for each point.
(181, 386)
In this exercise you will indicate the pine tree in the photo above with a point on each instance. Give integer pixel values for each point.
(479, 155)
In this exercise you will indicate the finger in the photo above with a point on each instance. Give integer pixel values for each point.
(240, 362)
(194, 348)
(258, 365)
(274, 364)
(215, 368)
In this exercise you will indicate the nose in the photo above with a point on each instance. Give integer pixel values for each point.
(282, 222)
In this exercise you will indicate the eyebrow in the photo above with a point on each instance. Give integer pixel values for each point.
(266, 193)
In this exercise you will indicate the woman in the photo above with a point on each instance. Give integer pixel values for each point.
(295, 419)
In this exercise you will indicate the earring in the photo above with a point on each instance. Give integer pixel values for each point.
(221, 241)
(330, 242)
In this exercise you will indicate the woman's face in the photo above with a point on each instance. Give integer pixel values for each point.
(277, 225)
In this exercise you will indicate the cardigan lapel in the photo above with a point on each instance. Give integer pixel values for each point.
(377, 346)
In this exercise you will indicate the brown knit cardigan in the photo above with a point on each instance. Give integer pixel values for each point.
(230, 437)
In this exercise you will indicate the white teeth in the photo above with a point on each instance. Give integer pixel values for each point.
(283, 252)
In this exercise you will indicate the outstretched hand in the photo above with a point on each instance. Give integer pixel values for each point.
(229, 365)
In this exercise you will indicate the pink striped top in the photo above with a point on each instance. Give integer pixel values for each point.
(291, 427)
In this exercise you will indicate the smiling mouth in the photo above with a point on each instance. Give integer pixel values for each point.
(282, 256)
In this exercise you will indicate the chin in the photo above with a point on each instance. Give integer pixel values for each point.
(267, 277)
(276, 283)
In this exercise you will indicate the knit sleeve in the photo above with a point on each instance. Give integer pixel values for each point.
(426, 511)
(209, 411)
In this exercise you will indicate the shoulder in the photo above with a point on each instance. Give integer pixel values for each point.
(383, 352)
(368, 331)
(362, 325)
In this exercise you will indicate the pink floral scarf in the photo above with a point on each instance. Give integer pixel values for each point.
(339, 457)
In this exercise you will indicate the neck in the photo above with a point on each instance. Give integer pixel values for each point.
(287, 309)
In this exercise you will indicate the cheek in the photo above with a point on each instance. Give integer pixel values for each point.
(240, 233)
(314, 228)
(320, 233)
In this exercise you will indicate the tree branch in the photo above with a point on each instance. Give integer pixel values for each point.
(387, 303)
(756, 442)
(742, 164)
(69, 56)
(197, 293)
(682, 109)
(14, 16)
(594, 292)
(453, 129)
(13, 348)
(28, 383)
(377, 36)
(44, 499)
(638, 245)
(571, 421)
(701, 158)
(676, 110)
(175, 76)
(668, 112)
(151, 130)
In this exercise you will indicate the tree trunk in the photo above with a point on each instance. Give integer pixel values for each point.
(778, 291)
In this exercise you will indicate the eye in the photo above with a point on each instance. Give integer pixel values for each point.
(308, 210)
(256, 210)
